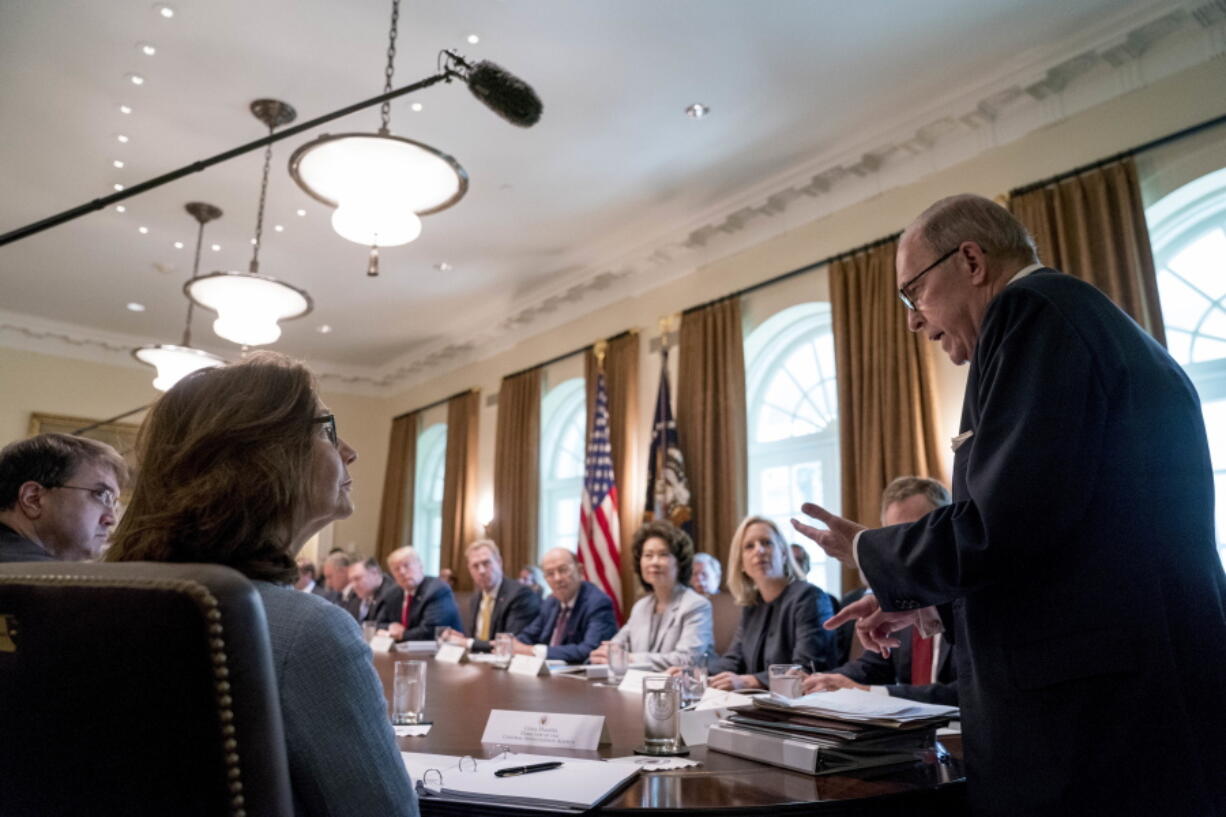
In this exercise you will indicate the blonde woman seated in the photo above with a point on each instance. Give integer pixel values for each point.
(781, 622)
(671, 623)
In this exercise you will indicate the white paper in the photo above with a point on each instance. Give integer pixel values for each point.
(417, 646)
(412, 730)
(549, 729)
(633, 681)
(656, 764)
(856, 704)
(528, 665)
(696, 722)
(721, 699)
(451, 654)
(381, 643)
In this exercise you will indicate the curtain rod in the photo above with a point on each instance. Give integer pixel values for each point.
(830, 259)
(435, 404)
(1150, 145)
(571, 353)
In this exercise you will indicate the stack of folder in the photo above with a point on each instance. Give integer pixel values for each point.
(830, 732)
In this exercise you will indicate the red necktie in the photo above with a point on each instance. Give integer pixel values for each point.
(404, 611)
(921, 658)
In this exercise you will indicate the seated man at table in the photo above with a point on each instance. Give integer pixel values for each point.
(922, 669)
(707, 574)
(418, 603)
(370, 588)
(336, 578)
(499, 606)
(58, 497)
(574, 620)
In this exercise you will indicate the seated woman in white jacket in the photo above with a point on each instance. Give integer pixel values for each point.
(672, 622)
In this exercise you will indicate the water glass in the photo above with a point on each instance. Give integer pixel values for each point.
(408, 692)
(504, 649)
(369, 628)
(619, 661)
(787, 680)
(661, 714)
(693, 679)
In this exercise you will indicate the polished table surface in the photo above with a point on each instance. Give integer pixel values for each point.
(459, 698)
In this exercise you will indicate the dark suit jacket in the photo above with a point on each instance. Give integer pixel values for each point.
(16, 548)
(788, 630)
(894, 673)
(515, 606)
(433, 606)
(328, 594)
(1079, 553)
(354, 604)
(591, 621)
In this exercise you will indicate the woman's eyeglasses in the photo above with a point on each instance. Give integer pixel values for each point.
(329, 427)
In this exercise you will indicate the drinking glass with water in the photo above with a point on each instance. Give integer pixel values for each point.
(408, 692)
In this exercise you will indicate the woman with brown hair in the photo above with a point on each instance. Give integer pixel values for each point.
(240, 465)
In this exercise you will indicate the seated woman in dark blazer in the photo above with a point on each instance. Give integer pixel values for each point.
(781, 622)
(239, 466)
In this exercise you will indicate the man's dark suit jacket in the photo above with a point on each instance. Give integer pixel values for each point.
(328, 594)
(515, 606)
(433, 606)
(16, 548)
(787, 630)
(894, 673)
(354, 604)
(1079, 554)
(591, 621)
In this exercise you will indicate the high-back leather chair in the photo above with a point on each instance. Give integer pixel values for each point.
(137, 689)
(725, 615)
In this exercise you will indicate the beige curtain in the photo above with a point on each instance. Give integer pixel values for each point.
(1093, 226)
(887, 391)
(396, 509)
(711, 421)
(460, 484)
(621, 367)
(517, 469)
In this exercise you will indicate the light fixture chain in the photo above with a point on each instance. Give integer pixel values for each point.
(259, 219)
(385, 110)
(187, 325)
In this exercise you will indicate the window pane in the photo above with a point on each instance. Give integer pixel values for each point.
(1201, 263)
(776, 491)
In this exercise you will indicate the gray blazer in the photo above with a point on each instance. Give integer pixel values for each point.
(684, 631)
(342, 754)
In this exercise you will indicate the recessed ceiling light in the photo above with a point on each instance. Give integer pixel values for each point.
(117, 163)
(165, 10)
(178, 245)
(279, 228)
(416, 106)
(117, 186)
(136, 79)
(119, 208)
(135, 307)
(473, 39)
(122, 139)
(697, 111)
(443, 266)
(125, 109)
(143, 230)
(216, 248)
(302, 212)
(253, 242)
(148, 49)
(323, 329)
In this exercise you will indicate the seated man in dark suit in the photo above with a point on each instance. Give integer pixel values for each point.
(58, 497)
(336, 578)
(418, 603)
(499, 606)
(370, 588)
(574, 620)
(931, 678)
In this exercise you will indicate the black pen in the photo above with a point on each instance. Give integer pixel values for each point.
(511, 771)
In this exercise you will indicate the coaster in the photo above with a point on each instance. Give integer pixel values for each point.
(678, 752)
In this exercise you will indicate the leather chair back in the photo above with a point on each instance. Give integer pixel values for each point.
(725, 615)
(137, 689)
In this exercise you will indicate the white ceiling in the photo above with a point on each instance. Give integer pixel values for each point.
(613, 164)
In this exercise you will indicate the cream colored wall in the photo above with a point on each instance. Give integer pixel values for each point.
(1164, 107)
(48, 384)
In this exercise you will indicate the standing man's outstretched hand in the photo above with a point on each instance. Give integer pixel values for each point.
(837, 539)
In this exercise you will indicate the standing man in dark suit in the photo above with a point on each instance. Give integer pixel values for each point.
(1089, 603)
(58, 498)
(921, 669)
(499, 605)
(418, 603)
(371, 587)
(574, 620)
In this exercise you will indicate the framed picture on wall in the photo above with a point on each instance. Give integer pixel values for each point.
(120, 436)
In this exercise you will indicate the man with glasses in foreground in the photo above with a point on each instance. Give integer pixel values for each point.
(1089, 602)
(59, 498)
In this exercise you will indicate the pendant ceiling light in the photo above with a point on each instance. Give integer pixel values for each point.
(173, 363)
(379, 183)
(248, 304)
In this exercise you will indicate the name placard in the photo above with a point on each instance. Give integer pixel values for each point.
(528, 665)
(451, 654)
(381, 643)
(552, 729)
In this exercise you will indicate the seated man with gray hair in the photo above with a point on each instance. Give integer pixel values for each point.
(418, 603)
(59, 497)
(707, 574)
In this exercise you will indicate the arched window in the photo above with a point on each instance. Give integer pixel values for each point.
(1188, 234)
(793, 423)
(428, 502)
(563, 428)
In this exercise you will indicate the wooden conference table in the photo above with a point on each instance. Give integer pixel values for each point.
(460, 696)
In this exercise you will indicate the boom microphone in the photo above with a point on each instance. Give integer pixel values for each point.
(501, 91)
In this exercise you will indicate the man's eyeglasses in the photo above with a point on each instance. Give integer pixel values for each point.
(904, 296)
(329, 427)
(103, 496)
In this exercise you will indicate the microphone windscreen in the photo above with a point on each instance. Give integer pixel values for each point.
(505, 94)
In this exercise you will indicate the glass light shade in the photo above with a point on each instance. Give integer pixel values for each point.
(173, 363)
(372, 222)
(248, 305)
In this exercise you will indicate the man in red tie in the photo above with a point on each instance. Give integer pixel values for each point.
(418, 603)
(922, 669)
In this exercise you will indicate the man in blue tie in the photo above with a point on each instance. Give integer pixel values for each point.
(574, 620)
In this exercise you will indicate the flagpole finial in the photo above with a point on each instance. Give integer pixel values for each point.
(599, 349)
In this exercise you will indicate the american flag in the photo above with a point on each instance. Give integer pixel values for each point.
(599, 536)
